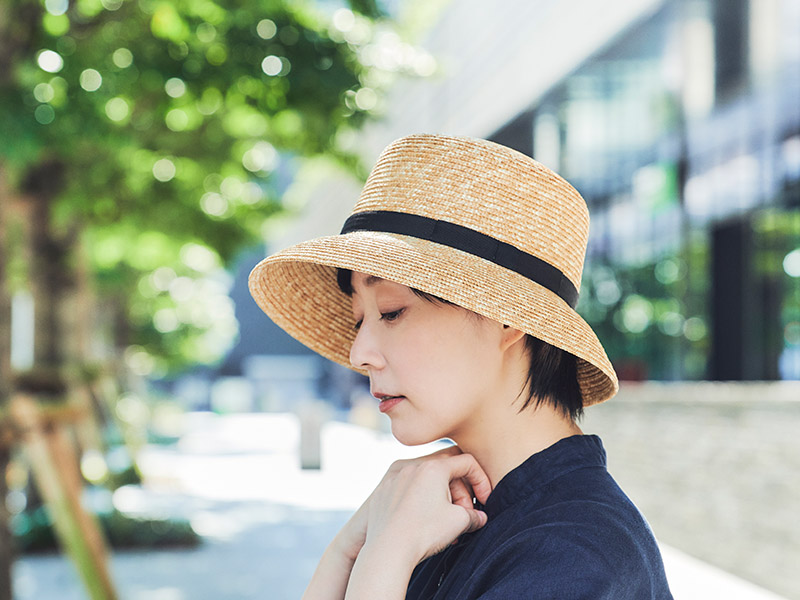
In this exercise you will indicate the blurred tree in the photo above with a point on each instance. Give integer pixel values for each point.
(121, 119)
(144, 142)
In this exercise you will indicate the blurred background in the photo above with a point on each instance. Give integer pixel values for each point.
(161, 438)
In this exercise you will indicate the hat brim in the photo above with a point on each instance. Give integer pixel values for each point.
(297, 289)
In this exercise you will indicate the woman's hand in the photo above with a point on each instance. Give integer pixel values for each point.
(424, 504)
(419, 508)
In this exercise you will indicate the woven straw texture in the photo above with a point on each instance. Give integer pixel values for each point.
(474, 183)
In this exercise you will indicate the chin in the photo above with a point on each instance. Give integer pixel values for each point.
(413, 438)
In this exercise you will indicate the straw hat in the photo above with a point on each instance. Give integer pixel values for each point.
(467, 220)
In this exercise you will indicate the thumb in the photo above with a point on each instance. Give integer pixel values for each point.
(477, 519)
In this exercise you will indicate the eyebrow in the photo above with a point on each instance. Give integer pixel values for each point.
(369, 282)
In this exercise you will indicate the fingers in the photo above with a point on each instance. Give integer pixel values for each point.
(461, 494)
(477, 519)
(464, 466)
(475, 482)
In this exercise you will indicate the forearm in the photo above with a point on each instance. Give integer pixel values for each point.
(331, 576)
(333, 571)
(380, 571)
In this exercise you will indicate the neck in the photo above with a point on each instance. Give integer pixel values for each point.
(507, 439)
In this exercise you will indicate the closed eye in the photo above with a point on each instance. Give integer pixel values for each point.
(387, 316)
(391, 316)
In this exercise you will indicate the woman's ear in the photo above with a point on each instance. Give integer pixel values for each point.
(510, 336)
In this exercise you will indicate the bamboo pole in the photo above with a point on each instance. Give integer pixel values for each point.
(53, 462)
(87, 428)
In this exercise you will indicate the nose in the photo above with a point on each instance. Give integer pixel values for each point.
(365, 352)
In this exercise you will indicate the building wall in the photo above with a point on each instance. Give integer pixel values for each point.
(494, 60)
(715, 468)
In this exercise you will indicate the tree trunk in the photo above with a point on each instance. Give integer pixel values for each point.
(58, 345)
(51, 274)
(6, 558)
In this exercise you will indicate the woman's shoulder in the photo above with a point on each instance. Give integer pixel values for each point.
(586, 509)
(577, 549)
(584, 531)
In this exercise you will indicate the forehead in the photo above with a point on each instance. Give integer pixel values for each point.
(365, 282)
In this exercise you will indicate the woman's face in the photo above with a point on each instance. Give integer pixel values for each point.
(434, 366)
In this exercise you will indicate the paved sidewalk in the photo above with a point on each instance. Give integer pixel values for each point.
(265, 522)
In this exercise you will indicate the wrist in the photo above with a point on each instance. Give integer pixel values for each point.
(382, 570)
(396, 549)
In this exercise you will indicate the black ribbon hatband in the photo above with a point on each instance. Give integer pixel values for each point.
(467, 240)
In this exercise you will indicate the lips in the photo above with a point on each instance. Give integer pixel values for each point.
(383, 396)
(387, 401)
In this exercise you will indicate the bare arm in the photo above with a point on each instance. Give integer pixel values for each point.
(333, 571)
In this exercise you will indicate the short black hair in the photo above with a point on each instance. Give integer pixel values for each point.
(552, 372)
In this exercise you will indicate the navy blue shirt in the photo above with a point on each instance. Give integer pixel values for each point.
(559, 528)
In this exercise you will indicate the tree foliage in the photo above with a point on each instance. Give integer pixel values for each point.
(165, 131)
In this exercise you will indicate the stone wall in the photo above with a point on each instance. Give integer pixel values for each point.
(715, 468)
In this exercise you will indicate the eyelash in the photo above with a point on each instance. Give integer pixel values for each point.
(389, 317)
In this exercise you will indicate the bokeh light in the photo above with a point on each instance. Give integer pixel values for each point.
(93, 466)
(366, 99)
(122, 58)
(343, 20)
(217, 54)
(162, 277)
(272, 65)
(91, 80)
(791, 263)
(199, 258)
(177, 119)
(117, 109)
(50, 61)
(214, 204)
(671, 323)
(56, 7)
(175, 87)
(210, 101)
(43, 92)
(695, 329)
(637, 313)
(231, 187)
(260, 158)
(44, 114)
(266, 29)
(164, 170)
(668, 271)
(206, 33)
(111, 5)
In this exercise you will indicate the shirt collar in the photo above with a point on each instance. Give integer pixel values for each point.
(566, 455)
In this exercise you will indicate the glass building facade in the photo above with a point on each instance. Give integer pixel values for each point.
(683, 135)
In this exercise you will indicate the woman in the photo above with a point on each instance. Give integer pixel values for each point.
(453, 287)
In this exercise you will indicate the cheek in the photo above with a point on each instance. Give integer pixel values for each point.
(448, 363)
